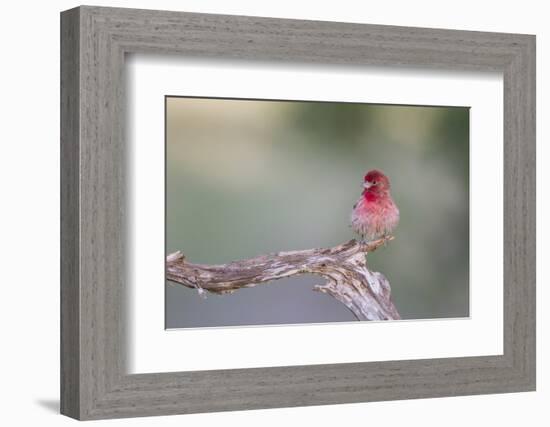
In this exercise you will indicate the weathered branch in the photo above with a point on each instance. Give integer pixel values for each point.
(367, 294)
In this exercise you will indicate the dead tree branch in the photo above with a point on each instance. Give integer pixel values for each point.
(367, 294)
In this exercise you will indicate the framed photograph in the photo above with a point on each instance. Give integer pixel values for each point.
(263, 213)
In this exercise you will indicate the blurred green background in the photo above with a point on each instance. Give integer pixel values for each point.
(246, 177)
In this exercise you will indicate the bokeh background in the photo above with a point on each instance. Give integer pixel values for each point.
(246, 177)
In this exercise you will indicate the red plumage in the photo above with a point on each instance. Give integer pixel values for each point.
(375, 214)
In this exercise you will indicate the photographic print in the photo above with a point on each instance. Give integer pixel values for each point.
(327, 249)
(297, 212)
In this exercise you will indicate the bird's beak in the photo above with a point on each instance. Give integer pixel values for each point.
(367, 184)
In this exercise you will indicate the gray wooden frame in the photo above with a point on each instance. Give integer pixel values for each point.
(94, 41)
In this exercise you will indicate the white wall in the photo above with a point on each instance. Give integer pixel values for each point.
(29, 229)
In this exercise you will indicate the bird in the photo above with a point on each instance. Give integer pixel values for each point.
(374, 215)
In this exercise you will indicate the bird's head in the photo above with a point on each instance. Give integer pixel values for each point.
(376, 182)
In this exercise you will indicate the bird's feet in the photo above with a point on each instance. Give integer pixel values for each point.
(367, 242)
(383, 239)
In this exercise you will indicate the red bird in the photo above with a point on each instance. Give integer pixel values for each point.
(375, 215)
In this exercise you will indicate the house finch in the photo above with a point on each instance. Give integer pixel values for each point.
(375, 215)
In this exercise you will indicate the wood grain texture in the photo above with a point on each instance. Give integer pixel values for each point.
(365, 293)
(94, 272)
(70, 292)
